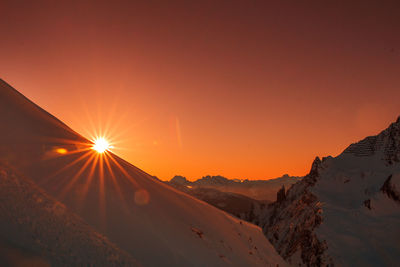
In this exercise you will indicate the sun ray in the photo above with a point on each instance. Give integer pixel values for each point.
(127, 175)
(102, 195)
(89, 178)
(110, 118)
(114, 179)
(93, 133)
(76, 176)
(69, 165)
(68, 141)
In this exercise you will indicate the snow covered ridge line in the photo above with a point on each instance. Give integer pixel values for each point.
(33, 221)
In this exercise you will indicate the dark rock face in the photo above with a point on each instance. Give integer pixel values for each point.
(390, 190)
(392, 148)
(365, 147)
(367, 203)
(311, 178)
(281, 195)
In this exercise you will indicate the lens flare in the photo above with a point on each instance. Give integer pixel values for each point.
(61, 151)
(101, 145)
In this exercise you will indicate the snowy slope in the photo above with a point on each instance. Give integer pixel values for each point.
(346, 211)
(31, 221)
(155, 223)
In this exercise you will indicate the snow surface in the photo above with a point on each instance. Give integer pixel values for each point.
(357, 235)
(156, 224)
(35, 229)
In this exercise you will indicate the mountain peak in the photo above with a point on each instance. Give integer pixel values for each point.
(387, 143)
(177, 179)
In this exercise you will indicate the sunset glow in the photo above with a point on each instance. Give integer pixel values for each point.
(194, 92)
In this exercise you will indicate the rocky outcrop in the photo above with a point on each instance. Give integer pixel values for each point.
(389, 188)
(289, 223)
(281, 195)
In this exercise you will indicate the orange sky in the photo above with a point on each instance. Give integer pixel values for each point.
(237, 89)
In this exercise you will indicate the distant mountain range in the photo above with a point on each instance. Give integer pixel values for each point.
(244, 199)
(262, 190)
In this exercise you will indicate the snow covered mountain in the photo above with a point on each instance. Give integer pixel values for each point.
(263, 190)
(154, 223)
(346, 211)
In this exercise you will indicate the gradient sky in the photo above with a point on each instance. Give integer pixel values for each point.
(244, 89)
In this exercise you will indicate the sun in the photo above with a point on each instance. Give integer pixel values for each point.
(101, 145)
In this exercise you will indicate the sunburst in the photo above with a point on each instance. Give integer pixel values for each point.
(101, 145)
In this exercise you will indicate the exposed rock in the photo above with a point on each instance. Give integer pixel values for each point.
(388, 142)
(367, 203)
(280, 195)
(292, 220)
(390, 189)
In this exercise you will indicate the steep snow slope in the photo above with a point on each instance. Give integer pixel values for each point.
(346, 211)
(30, 220)
(156, 224)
